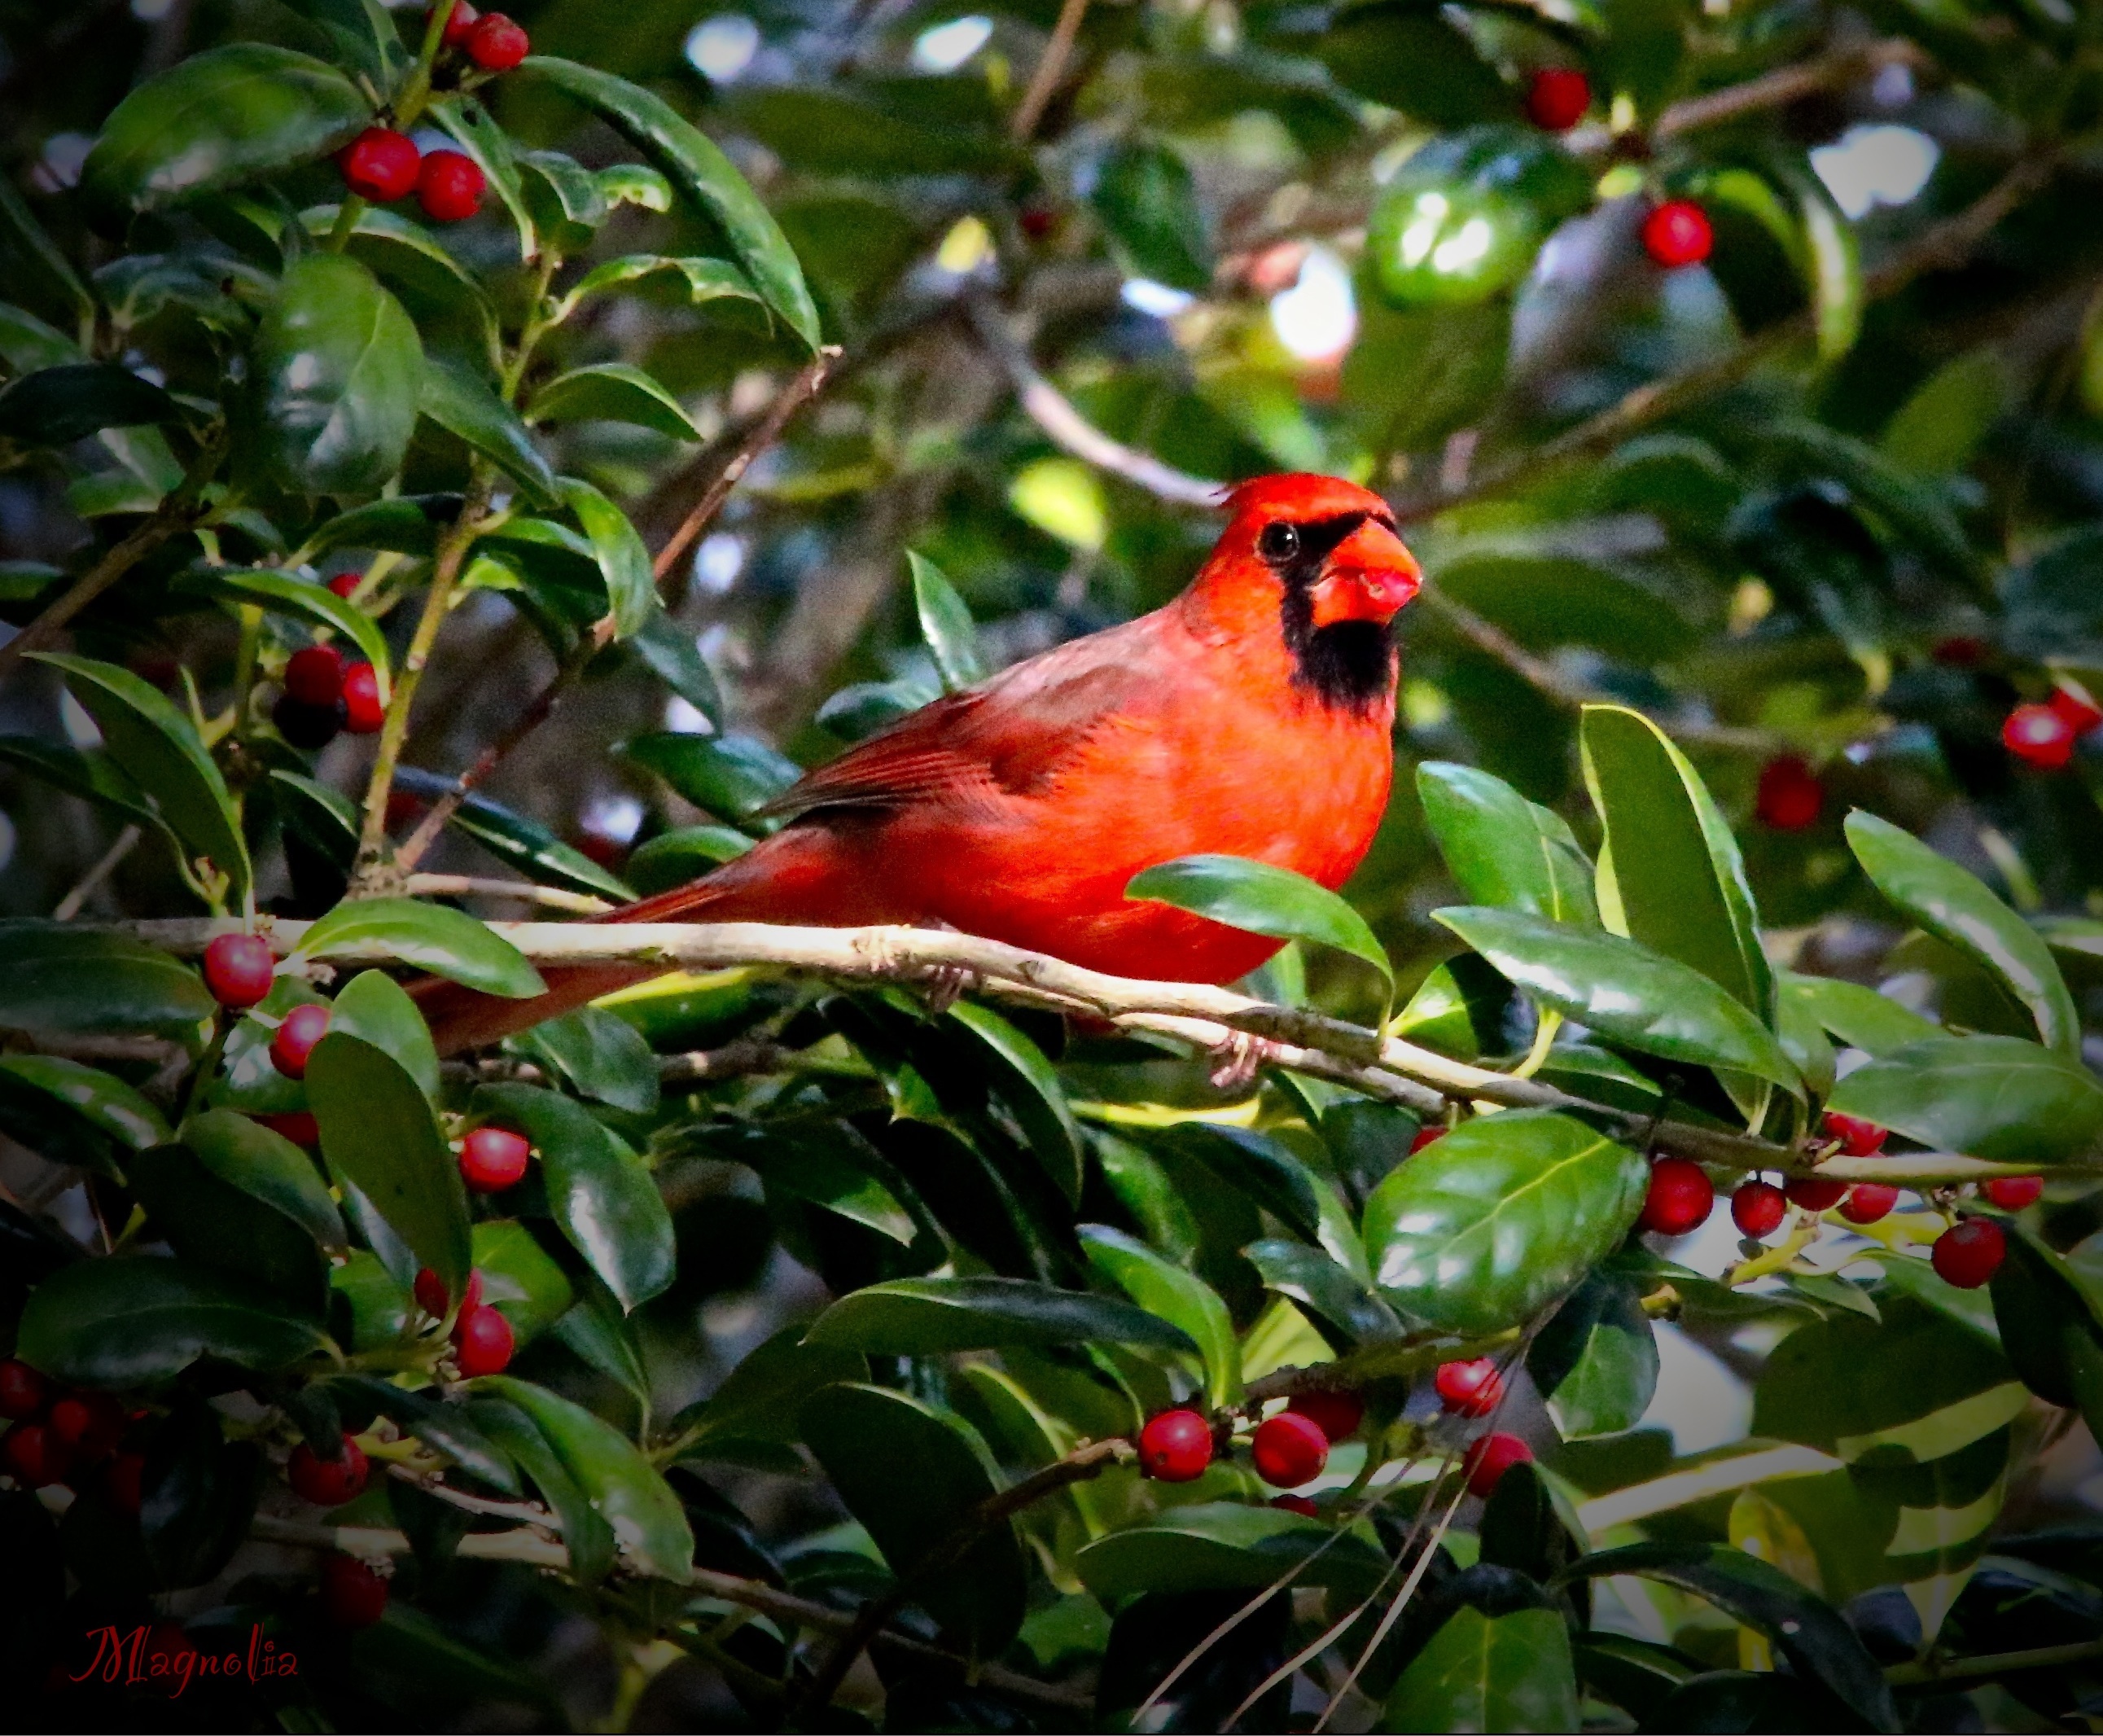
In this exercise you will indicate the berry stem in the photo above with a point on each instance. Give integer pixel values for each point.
(348, 215)
(416, 89)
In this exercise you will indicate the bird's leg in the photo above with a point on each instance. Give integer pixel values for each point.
(945, 985)
(1240, 1058)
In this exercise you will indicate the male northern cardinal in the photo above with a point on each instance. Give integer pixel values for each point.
(1250, 717)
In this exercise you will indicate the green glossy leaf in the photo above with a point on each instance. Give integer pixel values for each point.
(265, 1165)
(672, 858)
(379, 1136)
(432, 935)
(946, 624)
(698, 169)
(1403, 57)
(1459, 1010)
(1220, 1546)
(1624, 991)
(1958, 910)
(474, 130)
(602, 1055)
(61, 405)
(198, 1495)
(225, 1228)
(32, 255)
(94, 777)
(310, 602)
(1595, 1362)
(1939, 427)
(373, 1006)
(442, 1427)
(338, 373)
(27, 344)
(225, 116)
(1482, 1228)
(613, 392)
(929, 1317)
(673, 654)
(1324, 1287)
(821, 1171)
(457, 398)
(567, 203)
(1031, 1089)
(762, 1397)
(131, 1321)
(631, 588)
(733, 776)
(525, 845)
(603, 1338)
(362, 34)
(1464, 219)
(589, 1538)
(157, 748)
(1147, 200)
(1997, 1097)
(913, 1475)
(57, 978)
(1484, 1672)
(1262, 899)
(1502, 849)
(1184, 1301)
(1858, 1017)
(68, 1107)
(599, 1190)
(1831, 263)
(706, 279)
(520, 1279)
(625, 1491)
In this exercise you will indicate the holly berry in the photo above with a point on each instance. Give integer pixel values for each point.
(1868, 1201)
(2081, 713)
(308, 727)
(1758, 1209)
(123, 1481)
(91, 1423)
(2012, 1193)
(353, 1595)
(327, 1482)
(431, 1295)
(1288, 1449)
(461, 25)
(1469, 1389)
(1790, 795)
(295, 1037)
(450, 186)
(1337, 1414)
(2039, 737)
(1176, 1446)
(1303, 1505)
(297, 1125)
(362, 713)
(495, 44)
(1680, 1197)
(33, 1456)
(1857, 1137)
(1557, 98)
(1423, 1136)
(23, 1391)
(237, 968)
(1677, 233)
(1969, 1253)
(492, 1158)
(1489, 1458)
(314, 676)
(1960, 650)
(343, 584)
(481, 1341)
(1815, 1193)
(1038, 222)
(380, 165)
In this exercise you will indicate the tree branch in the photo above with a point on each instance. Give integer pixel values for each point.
(1050, 69)
(526, 891)
(1787, 84)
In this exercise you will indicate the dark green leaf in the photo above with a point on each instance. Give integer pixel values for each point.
(1502, 849)
(602, 1055)
(1858, 1017)
(631, 588)
(1218, 1546)
(94, 777)
(215, 1224)
(61, 405)
(1480, 1230)
(1147, 200)
(1181, 1299)
(673, 653)
(732, 776)
(1262, 899)
(1595, 1362)
(131, 1321)
(32, 252)
(613, 392)
(1407, 57)
(457, 397)
(1031, 1089)
(372, 1005)
(108, 1107)
(444, 1427)
(763, 1395)
(314, 602)
(672, 858)
(197, 1496)
(706, 279)
(1482, 1672)
(520, 1279)
(1997, 1097)
(265, 1165)
(1459, 1010)
(475, 131)
(438, 938)
(603, 1338)
(946, 624)
(825, 1174)
(59, 978)
(1324, 1287)
(526, 844)
(928, 1316)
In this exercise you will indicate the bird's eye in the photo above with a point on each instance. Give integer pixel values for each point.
(1279, 542)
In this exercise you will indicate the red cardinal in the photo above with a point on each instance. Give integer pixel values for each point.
(1250, 717)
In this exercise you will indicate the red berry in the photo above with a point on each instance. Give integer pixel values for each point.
(1301, 1504)
(23, 1391)
(1677, 233)
(1176, 1446)
(431, 1293)
(1289, 1449)
(1790, 795)
(1758, 1209)
(1868, 1201)
(121, 1482)
(2073, 704)
(492, 1158)
(327, 1482)
(294, 1042)
(362, 713)
(2012, 1193)
(495, 44)
(1424, 1136)
(1815, 1193)
(1557, 99)
(1491, 1457)
(353, 1595)
(91, 1423)
(33, 1456)
(481, 1342)
(343, 584)
(1959, 651)
(1038, 222)
(2038, 736)
(1680, 1196)
(297, 1125)
(450, 186)
(1469, 1389)
(1337, 1414)
(1857, 1137)
(308, 727)
(1968, 1254)
(314, 676)
(461, 25)
(379, 165)
(237, 968)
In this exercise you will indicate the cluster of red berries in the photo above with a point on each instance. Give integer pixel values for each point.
(483, 1341)
(1677, 233)
(381, 165)
(1790, 796)
(492, 41)
(2043, 735)
(55, 1433)
(324, 695)
(1287, 1449)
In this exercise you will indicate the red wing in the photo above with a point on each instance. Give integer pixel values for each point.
(1006, 736)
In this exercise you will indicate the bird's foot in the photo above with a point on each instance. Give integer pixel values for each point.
(1239, 1059)
(945, 985)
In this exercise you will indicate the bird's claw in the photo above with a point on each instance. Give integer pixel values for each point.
(946, 985)
(1239, 1059)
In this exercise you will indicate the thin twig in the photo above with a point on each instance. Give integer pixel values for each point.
(1051, 68)
(1789, 84)
(105, 866)
(466, 885)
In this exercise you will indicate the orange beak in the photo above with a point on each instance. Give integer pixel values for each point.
(1369, 577)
